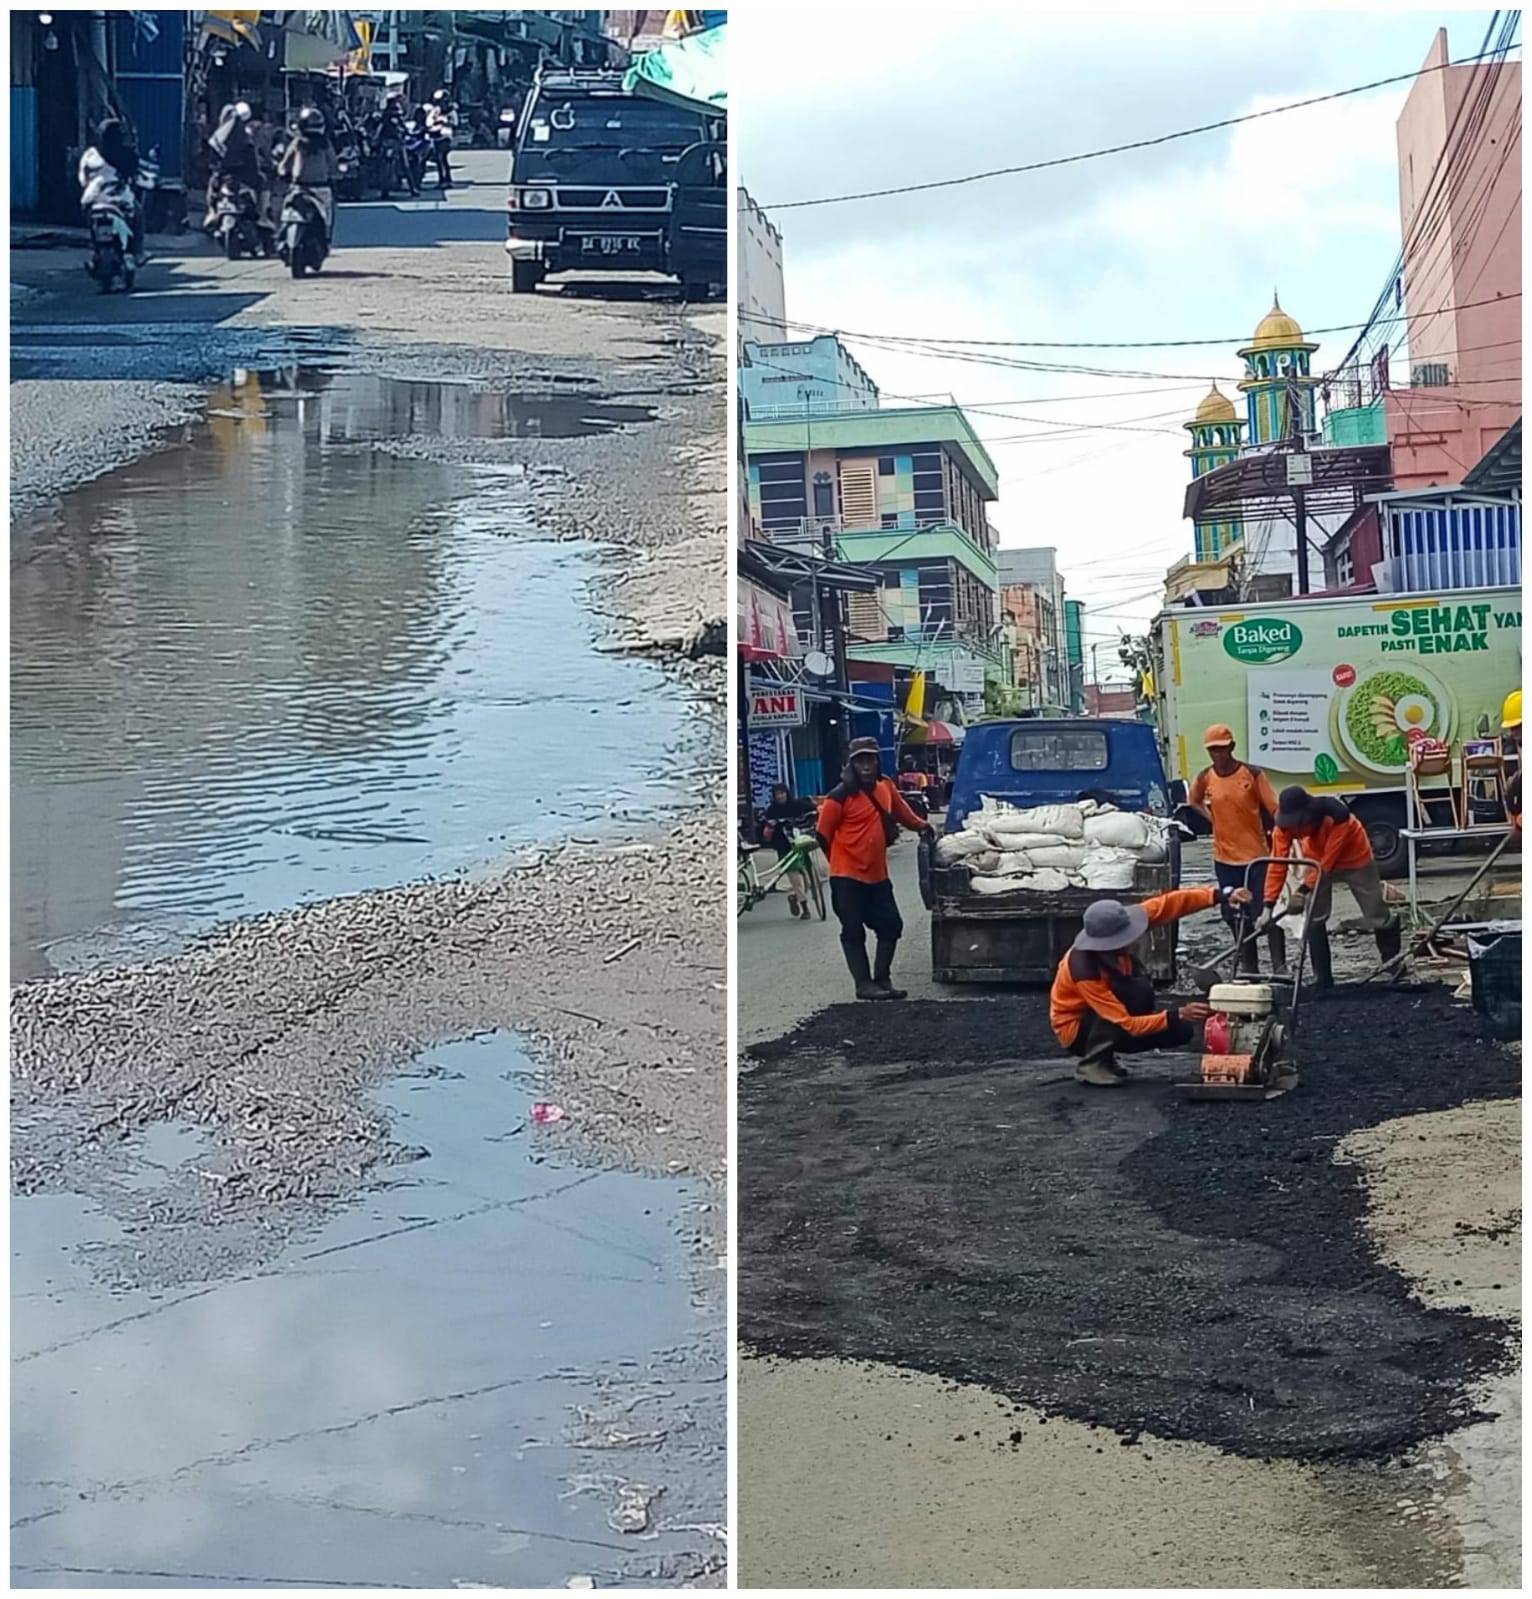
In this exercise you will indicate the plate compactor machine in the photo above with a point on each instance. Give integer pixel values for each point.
(1249, 1040)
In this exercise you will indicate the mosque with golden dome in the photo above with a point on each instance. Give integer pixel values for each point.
(1279, 394)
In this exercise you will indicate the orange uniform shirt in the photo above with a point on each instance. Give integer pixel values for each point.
(1337, 846)
(1074, 993)
(854, 831)
(1235, 803)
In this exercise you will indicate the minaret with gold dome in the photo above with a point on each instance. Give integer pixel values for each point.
(1277, 379)
(1215, 431)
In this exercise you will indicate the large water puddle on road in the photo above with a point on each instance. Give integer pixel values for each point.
(276, 664)
(490, 1371)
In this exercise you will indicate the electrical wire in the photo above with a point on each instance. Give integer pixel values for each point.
(1117, 149)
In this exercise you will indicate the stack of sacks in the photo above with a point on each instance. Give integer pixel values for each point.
(1045, 849)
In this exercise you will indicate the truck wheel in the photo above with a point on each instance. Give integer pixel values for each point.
(1389, 848)
(525, 276)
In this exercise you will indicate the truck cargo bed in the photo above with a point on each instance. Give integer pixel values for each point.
(1021, 938)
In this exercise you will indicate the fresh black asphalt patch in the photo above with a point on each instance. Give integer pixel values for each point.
(920, 1185)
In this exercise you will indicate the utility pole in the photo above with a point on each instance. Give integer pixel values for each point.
(1300, 472)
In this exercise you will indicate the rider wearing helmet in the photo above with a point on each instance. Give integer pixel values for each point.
(113, 159)
(438, 122)
(308, 162)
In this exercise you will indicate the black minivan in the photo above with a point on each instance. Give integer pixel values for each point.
(596, 175)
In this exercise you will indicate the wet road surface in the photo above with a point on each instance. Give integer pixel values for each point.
(422, 1393)
(275, 663)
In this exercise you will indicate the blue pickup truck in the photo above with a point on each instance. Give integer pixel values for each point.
(1020, 938)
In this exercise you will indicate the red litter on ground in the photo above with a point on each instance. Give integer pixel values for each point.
(544, 1113)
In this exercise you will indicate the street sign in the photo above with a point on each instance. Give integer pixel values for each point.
(1300, 470)
(777, 706)
(965, 676)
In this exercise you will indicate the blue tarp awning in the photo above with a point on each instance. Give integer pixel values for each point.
(691, 71)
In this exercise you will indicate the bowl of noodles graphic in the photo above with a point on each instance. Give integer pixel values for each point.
(1385, 711)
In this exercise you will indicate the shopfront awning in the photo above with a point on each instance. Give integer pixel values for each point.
(691, 71)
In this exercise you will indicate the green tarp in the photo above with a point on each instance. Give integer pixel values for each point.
(689, 71)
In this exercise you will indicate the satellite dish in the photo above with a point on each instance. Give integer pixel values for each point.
(817, 664)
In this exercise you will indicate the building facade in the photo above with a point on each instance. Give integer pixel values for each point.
(759, 289)
(1216, 432)
(817, 377)
(1037, 569)
(1460, 211)
(904, 492)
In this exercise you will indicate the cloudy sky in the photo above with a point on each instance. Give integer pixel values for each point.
(1184, 241)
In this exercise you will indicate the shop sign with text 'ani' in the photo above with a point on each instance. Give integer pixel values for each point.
(776, 706)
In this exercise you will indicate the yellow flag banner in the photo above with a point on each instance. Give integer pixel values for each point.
(235, 25)
(361, 58)
(915, 705)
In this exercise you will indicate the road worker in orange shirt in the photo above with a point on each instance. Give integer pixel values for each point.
(1242, 806)
(1326, 832)
(1103, 1002)
(860, 817)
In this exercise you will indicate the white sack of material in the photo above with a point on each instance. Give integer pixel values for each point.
(1068, 821)
(1047, 881)
(1008, 838)
(1118, 829)
(1109, 869)
(1013, 863)
(997, 885)
(1157, 846)
(1063, 857)
(984, 863)
(952, 847)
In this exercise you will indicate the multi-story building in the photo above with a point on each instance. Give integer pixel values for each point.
(1037, 569)
(1460, 211)
(819, 377)
(1028, 614)
(903, 491)
(1074, 645)
(759, 291)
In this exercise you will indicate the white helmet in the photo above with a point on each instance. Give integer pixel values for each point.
(242, 110)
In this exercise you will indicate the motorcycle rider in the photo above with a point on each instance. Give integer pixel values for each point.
(438, 123)
(308, 163)
(236, 160)
(112, 161)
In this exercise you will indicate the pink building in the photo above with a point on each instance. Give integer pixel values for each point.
(1459, 139)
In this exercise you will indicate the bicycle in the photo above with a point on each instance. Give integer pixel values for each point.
(755, 885)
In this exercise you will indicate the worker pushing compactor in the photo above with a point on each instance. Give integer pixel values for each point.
(1328, 834)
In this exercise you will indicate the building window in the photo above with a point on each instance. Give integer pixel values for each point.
(824, 494)
(885, 466)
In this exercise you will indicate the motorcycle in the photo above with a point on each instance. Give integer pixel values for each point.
(349, 183)
(387, 166)
(237, 221)
(417, 151)
(304, 238)
(110, 206)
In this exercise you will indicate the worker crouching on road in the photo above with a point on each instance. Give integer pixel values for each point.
(1103, 1002)
(860, 817)
(1328, 834)
(1242, 805)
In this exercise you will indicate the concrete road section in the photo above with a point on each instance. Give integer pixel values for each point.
(368, 1089)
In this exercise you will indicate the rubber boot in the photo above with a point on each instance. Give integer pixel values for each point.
(1390, 941)
(856, 959)
(884, 965)
(1319, 956)
(1276, 944)
(1249, 955)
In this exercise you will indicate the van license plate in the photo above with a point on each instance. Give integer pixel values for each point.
(609, 244)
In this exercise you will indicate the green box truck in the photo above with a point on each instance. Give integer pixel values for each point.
(1330, 693)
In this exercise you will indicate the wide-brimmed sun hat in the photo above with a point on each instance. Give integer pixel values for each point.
(1110, 925)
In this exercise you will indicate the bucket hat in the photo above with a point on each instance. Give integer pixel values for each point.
(1110, 925)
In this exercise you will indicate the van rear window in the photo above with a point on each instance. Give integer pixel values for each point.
(1073, 749)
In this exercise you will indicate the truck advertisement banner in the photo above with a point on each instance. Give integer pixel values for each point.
(1332, 693)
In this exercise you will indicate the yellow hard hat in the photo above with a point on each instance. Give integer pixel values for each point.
(1510, 712)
